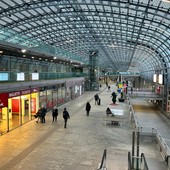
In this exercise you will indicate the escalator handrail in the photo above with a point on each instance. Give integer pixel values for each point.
(145, 163)
(103, 160)
(129, 161)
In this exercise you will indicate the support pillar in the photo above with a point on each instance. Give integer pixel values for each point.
(93, 71)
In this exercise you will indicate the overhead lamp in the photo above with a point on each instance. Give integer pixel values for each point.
(32, 57)
(54, 58)
(23, 50)
(1, 52)
(165, 0)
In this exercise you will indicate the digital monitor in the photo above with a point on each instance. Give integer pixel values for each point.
(35, 76)
(20, 76)
(4, 76)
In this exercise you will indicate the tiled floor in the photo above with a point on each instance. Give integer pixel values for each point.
(50, 146)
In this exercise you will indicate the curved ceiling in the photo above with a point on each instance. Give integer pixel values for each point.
(129, 35)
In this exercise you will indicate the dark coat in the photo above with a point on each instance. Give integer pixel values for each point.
(43, 112)
(66, 115)
(38, 114)
(55, 112)
(88, 107)
(96, 97)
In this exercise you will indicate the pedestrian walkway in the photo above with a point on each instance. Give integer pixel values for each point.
(80, 146)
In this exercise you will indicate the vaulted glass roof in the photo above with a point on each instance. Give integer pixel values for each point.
(129, 35)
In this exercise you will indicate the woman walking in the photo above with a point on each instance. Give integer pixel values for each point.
(88, 108)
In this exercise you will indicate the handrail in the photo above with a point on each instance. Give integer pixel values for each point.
(143, 162)
(103, 162)
(164, 148)
(129, 161)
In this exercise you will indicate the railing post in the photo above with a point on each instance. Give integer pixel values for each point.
(133, 148)
(137, 151)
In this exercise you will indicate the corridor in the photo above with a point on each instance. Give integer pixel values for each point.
(50, 146)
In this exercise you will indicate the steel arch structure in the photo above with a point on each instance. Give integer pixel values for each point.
(130, 35)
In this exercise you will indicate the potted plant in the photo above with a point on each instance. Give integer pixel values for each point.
(122, 97)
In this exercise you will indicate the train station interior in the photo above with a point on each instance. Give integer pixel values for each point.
(60, 54)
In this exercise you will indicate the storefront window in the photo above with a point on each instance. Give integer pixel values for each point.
(3, 120)
(49, 99)
(25, 108)
(34, 104)
(14, 115)
(61, 94)
(55, 93)
(43, 98)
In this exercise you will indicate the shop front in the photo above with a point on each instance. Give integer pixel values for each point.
(17, 108)
(52, 96)
(74, 89)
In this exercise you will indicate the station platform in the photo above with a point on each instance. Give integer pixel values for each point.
(49, 146)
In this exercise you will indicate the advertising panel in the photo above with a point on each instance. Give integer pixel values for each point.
(3, 100)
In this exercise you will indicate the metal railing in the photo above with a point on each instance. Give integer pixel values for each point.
(129, 161)
(10, 76)
(149, 95)
(144, 165)
(154, 133)
(103, 161)
(138, 164)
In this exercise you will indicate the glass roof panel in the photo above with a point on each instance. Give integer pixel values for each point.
(84, 25)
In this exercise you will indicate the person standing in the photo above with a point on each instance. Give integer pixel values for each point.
(66, 116)
(54, 114)
(43, 113)
(88, 108)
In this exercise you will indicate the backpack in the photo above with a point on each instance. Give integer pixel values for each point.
(65, 115)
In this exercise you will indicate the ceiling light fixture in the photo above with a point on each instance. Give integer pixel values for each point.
(23, 50)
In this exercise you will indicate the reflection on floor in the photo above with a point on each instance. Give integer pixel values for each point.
(14, 122)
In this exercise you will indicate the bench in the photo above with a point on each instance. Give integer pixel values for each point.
(115, 120)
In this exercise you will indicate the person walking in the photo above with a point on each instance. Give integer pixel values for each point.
(55, 114)
(66, 116)
(88, 108)
(96, 98)
(108, 88)
(43, 113)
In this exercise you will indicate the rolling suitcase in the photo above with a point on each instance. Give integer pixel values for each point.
(99, 100)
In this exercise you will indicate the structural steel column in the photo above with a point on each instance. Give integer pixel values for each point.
(93, 77)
